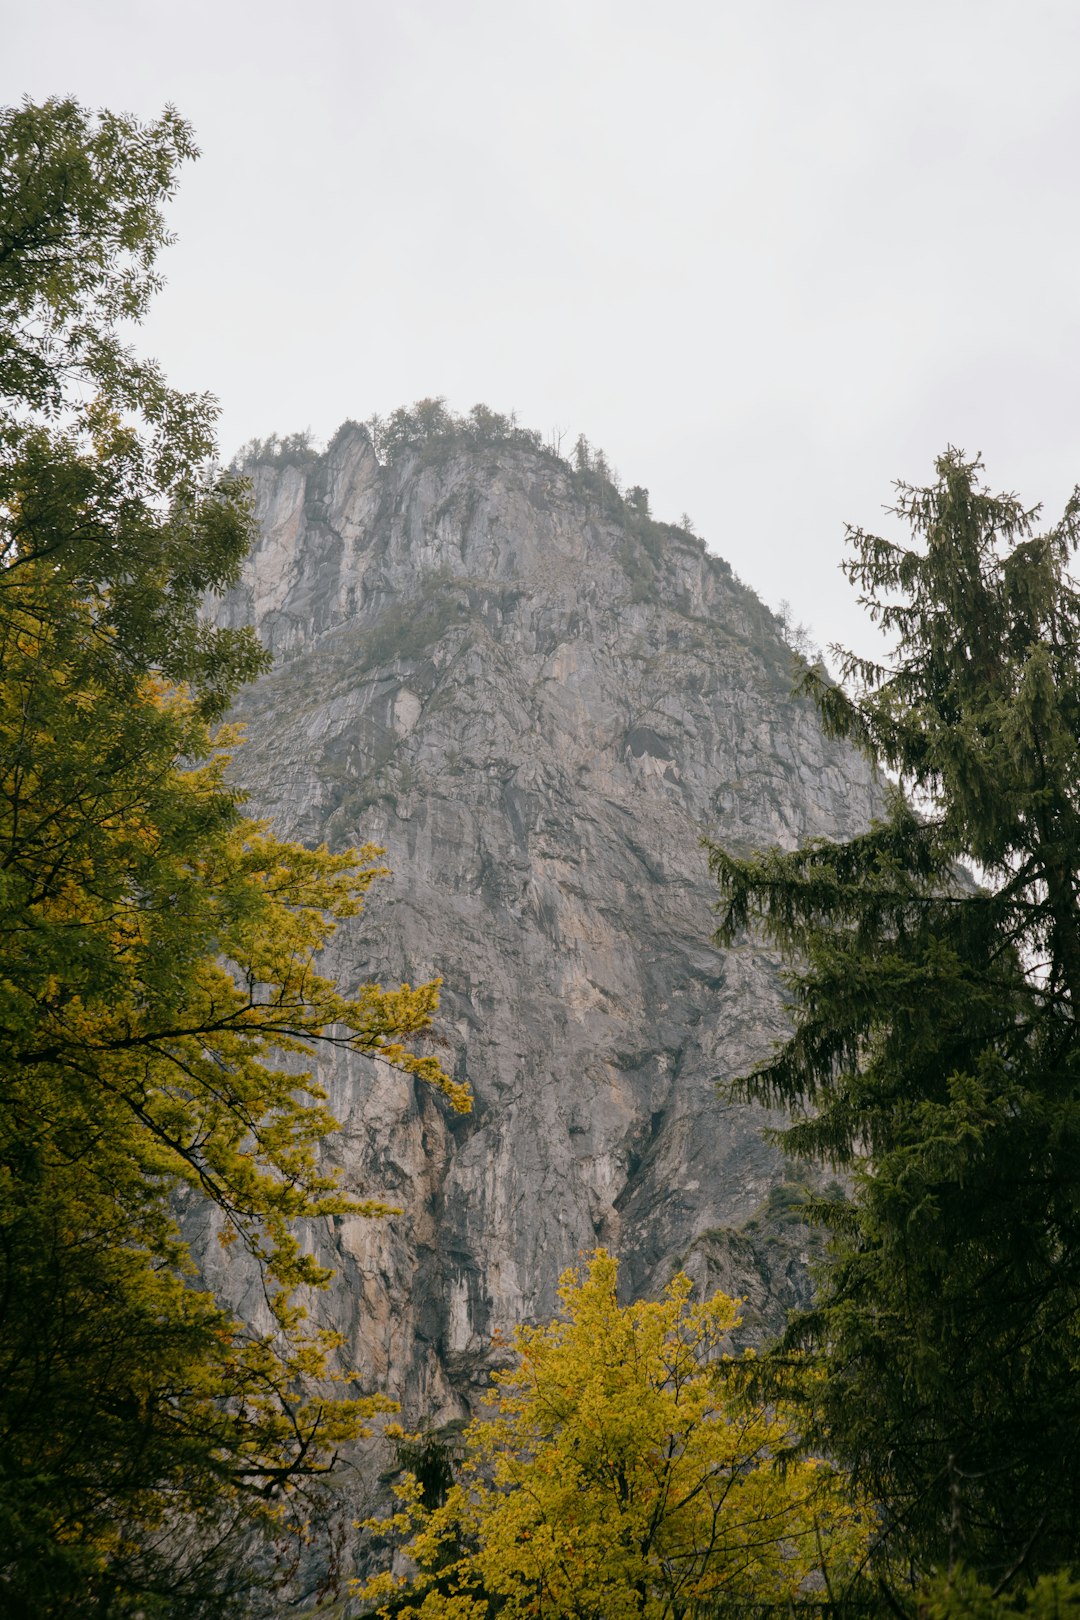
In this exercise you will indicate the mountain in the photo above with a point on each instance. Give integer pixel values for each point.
(538, 700)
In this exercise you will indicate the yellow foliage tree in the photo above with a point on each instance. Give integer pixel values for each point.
(624, 1474)
(159, 980)
(159, 992)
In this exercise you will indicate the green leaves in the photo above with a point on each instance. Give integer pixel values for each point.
(159, 952)
(935, 1050)
(80, 231)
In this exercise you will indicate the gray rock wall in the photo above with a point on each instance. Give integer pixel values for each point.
(538, 712)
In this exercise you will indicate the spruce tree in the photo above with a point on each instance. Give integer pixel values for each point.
(934, 968)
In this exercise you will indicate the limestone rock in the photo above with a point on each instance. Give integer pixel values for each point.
(538, 704)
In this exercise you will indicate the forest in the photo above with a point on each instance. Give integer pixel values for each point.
(909, 1446)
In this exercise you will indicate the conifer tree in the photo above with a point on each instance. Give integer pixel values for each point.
(935, 981)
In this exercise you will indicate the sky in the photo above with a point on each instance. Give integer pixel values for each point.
(770, 255)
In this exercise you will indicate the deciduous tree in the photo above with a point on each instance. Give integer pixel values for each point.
(159, 981)
(623, 1475)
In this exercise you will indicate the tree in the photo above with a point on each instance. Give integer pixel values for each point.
(622, 1475)
(102, 464)
(428, 421)
(159, 986)
(936, 1053)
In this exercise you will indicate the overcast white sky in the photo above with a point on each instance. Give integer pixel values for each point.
(770, 255)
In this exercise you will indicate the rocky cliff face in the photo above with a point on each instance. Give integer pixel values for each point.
(537, 703)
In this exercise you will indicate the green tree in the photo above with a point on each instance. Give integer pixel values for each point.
(935, 1053)
(958, 1596)
(622, 1475)
(582, 454)
(159, 987)
(102, 464)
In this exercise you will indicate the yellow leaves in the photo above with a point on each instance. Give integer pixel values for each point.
(625, 1473)
(160, 991)
(428, 1069)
